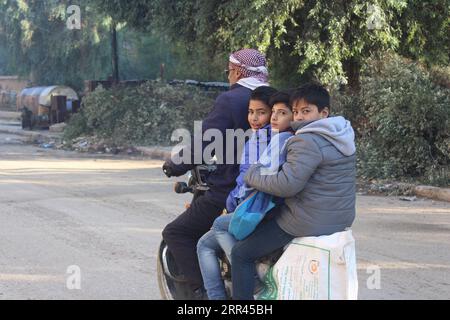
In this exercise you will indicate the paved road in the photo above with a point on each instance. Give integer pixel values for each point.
(105, 215)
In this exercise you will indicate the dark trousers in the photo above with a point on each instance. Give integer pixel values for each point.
(267, 238)
(182, 235)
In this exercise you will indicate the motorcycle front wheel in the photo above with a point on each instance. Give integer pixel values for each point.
(172, 284)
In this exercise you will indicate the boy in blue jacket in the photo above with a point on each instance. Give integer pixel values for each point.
(218, 239)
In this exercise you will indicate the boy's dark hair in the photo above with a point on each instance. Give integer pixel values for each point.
(263, 94)
(281, 97)
(312, 93)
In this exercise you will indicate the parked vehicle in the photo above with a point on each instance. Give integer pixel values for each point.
(44, 106)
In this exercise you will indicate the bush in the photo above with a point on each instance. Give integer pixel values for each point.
(349, 106)
(407, 122)
(147, 114)
(77, 126)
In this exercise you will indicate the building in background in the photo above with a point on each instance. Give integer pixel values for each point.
(10, 87)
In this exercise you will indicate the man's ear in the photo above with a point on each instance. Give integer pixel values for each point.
(325, 113)
(239, 73)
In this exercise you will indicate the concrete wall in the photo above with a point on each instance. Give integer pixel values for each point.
(10, 86)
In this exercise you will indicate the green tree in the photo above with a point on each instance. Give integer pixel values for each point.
(3, 56)
(303, 39)
(327, 40)
(426, 31)
(37, 43)
(142, 53)
(40, 45)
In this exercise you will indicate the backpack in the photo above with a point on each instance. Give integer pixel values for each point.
(249, 213)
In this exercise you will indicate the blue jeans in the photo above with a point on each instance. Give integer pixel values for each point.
(267, 238)
(208, 249)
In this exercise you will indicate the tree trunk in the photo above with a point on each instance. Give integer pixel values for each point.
(352, 68)
(114, 54)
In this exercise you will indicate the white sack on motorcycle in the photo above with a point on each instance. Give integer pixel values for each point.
(315, 268)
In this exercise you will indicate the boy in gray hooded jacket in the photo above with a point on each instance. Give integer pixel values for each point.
(318, 182)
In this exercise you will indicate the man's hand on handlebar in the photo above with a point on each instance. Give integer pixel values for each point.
(167, 170)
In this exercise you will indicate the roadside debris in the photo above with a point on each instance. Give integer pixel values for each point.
(98, 145)
(47, 145)
(59, 127)
(408, 198)
(376, 187)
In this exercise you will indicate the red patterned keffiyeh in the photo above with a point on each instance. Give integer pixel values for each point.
(252, 62)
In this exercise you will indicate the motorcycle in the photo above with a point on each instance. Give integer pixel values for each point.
(172, 284)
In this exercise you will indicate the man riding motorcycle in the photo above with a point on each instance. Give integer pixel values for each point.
(246, 71)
